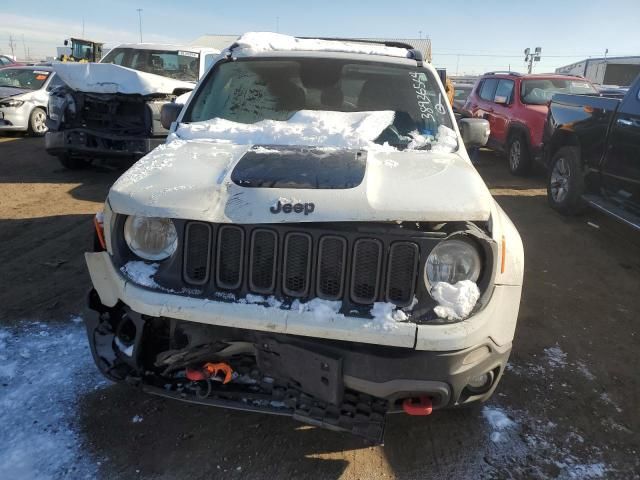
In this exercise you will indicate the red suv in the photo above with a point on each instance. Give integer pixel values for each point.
(516, 107)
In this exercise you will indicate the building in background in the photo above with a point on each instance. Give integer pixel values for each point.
(605, 71)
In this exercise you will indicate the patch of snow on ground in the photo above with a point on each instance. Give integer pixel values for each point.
(386, 316)
(455, 302)
(498, 421)
(141, 273)
(584, 371)
(137, 419)
(556, 358)
(37, 404)
(306, 127)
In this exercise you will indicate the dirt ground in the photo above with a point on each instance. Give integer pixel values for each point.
(568, 406)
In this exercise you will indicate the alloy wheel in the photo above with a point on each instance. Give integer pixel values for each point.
(39, 125)
(559, 182)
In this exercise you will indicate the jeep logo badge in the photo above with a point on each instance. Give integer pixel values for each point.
(307, 208)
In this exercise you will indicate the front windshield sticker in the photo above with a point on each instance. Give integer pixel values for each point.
(424, 102)
(41, 72)
(187, 54)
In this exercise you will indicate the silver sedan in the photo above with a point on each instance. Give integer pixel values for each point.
(24, 94)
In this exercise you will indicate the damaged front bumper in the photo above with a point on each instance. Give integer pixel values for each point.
(339, 375)
(90, 143)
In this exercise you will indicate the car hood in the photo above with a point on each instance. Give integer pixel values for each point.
(110, 78)
(198, 180)
(6, 92)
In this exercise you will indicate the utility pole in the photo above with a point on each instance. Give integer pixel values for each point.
(12, 46)
(532, 57)
(140, 22)
(24, 47)
(83, 27)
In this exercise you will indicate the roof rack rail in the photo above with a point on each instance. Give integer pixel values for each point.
(504, 72)
(415, 53)
(386, 43)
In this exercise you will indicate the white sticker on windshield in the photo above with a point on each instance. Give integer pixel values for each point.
(41, 72)
(183, 53)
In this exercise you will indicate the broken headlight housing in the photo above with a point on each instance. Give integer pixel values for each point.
(151, 238)
(12, 102)
(452, 261)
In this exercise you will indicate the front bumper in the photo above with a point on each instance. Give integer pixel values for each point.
(90, 143)
(344, 386)
(14, 119)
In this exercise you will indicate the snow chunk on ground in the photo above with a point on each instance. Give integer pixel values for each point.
(110, 78)
(137, 419)
(323, 310)
(38, 406)
(141, 273)
(306, 127)
(386, 316)
(455, 302)
(252, 43)
(556, 357)
(499, 422)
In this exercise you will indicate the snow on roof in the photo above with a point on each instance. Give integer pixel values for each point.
(110, 78)
(253, 43)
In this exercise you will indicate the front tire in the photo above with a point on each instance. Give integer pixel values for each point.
(566, 182)
(37, 125)
(518, 155)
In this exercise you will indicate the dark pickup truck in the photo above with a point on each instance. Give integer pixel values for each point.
(592, 151)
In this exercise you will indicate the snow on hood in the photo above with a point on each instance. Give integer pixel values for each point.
(6, 92)
(110, 78)
(192, 180)
(306, 127)
(252, 43)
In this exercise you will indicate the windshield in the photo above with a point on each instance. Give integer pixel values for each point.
(540, 91)
(179, 65)
(249, 91)
(23, 78)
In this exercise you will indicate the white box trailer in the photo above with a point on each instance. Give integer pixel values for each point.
(605, 71)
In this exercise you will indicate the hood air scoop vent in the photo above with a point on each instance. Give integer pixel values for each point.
(300, 167)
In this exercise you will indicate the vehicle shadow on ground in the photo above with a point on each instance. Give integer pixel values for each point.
(34, 165)
(128, 432)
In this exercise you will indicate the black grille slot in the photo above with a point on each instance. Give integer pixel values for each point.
(297, 262)
(401, 273)
(197, 253)
(331, 262)
(365, 276)
(229, 258)
(262, 268)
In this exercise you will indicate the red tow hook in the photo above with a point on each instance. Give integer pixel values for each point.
(417, 406)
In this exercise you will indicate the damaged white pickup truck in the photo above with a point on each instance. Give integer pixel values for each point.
(311, 241)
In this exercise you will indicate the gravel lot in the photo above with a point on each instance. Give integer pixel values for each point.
(567, 408)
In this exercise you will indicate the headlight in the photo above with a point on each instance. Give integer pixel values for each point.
(151, 238)
(452, 261)
(12, 103)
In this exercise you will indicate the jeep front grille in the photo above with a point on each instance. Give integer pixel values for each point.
(301, 262)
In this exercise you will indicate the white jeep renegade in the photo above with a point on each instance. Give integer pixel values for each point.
(312, 240)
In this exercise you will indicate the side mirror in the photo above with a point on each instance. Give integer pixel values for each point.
(501, 100)
(474, 131)
(66, 42)
(169, 113)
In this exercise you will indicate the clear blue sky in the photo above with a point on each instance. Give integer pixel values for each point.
(566, 30)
